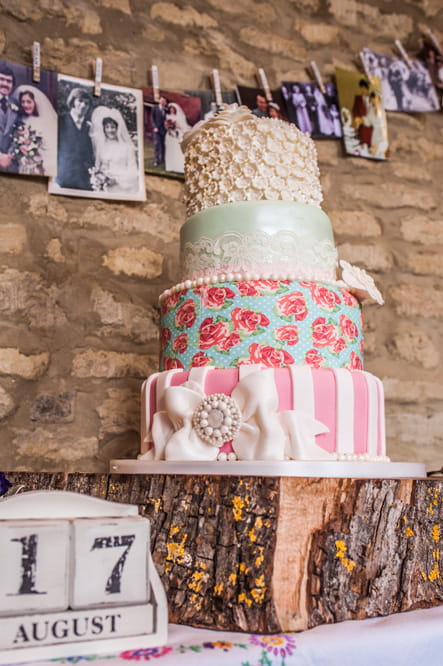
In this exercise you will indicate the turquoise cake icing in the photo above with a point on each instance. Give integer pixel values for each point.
(271, 322)
(259, 237)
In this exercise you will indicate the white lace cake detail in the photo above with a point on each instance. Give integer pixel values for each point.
(240, 157)
(258, 251)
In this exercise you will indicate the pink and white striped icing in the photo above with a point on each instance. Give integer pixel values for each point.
(349, 403)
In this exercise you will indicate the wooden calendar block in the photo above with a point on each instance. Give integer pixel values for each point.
(109, 561)
(34, 565)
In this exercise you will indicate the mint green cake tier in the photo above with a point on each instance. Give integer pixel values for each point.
(283, 238)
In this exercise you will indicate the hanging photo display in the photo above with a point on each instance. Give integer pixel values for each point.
(404, 88)
(100, 142)
(434, 61)
(207, 101)
(28, 121)
(255, 99)
(313, 111)
(165, 123)
(363, 117)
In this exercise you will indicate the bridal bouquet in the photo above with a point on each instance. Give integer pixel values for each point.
(26, 147)
(99, 180)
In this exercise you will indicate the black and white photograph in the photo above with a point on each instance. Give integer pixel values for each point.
(100, 142)
(314, 112)
(363, 117)
(28, 121)
(255, 99)
(434, 61)
(165, 124)
(404, 88)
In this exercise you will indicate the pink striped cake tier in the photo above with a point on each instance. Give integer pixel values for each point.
(255, 413)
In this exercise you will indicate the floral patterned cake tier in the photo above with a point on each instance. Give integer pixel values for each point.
(275, 323)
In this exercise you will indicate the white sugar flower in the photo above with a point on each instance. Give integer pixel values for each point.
(359, 282)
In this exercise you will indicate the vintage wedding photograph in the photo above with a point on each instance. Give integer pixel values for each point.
(100, 142)
(28, 121)
(404, 88)
(363, 116)
(313, 111)
(165, 123)
(255, 99)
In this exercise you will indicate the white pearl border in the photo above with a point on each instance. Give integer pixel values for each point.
(239, 277)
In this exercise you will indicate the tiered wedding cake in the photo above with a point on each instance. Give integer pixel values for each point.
(261, 345)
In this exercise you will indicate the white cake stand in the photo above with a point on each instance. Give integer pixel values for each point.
(316, 469)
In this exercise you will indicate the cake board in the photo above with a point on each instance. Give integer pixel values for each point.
(268, 554)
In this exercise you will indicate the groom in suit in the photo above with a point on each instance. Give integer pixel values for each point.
(158, 117)
(8, 114)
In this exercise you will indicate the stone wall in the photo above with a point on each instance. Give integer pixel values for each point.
(79, 279)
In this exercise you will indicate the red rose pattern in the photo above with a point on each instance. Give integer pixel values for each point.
(270, 357)
(330, 335)
(165, 336)
(215, 298)
(248, 321)
(325, 298)
(288, 334)
(323, 335)
(212, 333)
(172, 364)
(185, 315)
(313, 359)
(349, 329)
(355, 362)
(199, 360)
(292, 305)
(180, 343)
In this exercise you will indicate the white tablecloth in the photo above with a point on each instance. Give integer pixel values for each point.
(407, 639)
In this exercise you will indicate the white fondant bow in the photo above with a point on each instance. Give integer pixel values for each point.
(264, 433)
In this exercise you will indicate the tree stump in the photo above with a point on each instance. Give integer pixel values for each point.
(272, 554)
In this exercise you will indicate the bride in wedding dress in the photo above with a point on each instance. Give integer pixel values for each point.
(176, 125)
(115, 167)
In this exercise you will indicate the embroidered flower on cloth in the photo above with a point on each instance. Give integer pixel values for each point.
(146, 654)
(281, 645)
(359, 282)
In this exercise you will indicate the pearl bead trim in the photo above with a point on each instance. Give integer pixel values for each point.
(217, 419)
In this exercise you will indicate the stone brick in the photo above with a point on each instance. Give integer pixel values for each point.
(427, 150)
(102, 363)
(53, 408)
(84, 18)
(6, 403)
(223, 50)
(187, 16)
(268, 41)
(43, 445)
(263, 12)
(140, 261)
(2, 41)
(389, 195)
(420, 229)
(368, 18)
(317, 33)
(119, 412)
(25, 294)
(400, 390)
(13, 362)
(12, 238)
(431, 8)
(328, 151)
(153, 34)
(151, 219)
(44, 205)
(140, 323)
(372, 257)
(119, 5)
(414, 346)
(414, 300)
(167, 187)
(421, 263)
(408, 171)
(54, 251)
(423, 428)
(354, 223)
